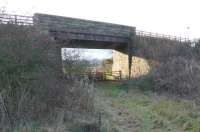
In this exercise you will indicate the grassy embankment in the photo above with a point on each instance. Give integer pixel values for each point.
(144, 111)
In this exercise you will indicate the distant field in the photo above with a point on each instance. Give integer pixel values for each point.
(144, 112)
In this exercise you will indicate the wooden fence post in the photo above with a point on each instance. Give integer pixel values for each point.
(120, 75)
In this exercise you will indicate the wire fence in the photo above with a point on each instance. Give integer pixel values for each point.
(103, 76)
(16, 19)
(28, 20)
(161, 36)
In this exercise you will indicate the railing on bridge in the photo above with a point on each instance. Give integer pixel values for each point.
(16, 19)
(28, 20)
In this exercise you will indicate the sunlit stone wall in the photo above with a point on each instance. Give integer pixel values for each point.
(140, 66)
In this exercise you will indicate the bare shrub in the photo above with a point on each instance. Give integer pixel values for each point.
(31, 82)
(73, 64)
(23, 60)
(178, 76)
(161, 49)
(176, 67)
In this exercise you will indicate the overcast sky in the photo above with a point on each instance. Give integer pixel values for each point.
(162, 16)
(171, 17)
(88, 54)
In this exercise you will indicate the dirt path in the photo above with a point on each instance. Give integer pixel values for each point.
(116, 118)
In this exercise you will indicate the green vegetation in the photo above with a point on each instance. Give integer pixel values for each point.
(147, 112)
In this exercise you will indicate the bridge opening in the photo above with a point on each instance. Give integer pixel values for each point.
(102, 64)
(93, 63)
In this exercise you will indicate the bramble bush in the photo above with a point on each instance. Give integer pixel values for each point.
(32, 87)
(175, 68)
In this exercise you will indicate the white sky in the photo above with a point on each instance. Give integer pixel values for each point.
(89, 54)
(163, 16)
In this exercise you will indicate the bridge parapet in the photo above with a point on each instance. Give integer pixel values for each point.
(58, 23)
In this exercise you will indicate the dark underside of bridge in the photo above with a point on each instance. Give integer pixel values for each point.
(90, 41)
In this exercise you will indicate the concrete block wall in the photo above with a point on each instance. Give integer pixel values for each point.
(140, 66)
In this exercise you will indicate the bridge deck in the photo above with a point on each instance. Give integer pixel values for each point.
(51, 22)
(92, 32)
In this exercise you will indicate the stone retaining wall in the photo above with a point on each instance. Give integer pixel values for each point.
(140, 66)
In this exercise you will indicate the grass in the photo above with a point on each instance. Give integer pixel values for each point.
(152, 113)
(145, 111)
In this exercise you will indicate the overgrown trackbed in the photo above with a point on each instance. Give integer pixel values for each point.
(144, 111)
(115, 117)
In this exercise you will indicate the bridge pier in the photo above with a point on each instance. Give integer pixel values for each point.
(131, 42)
(130, 51)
